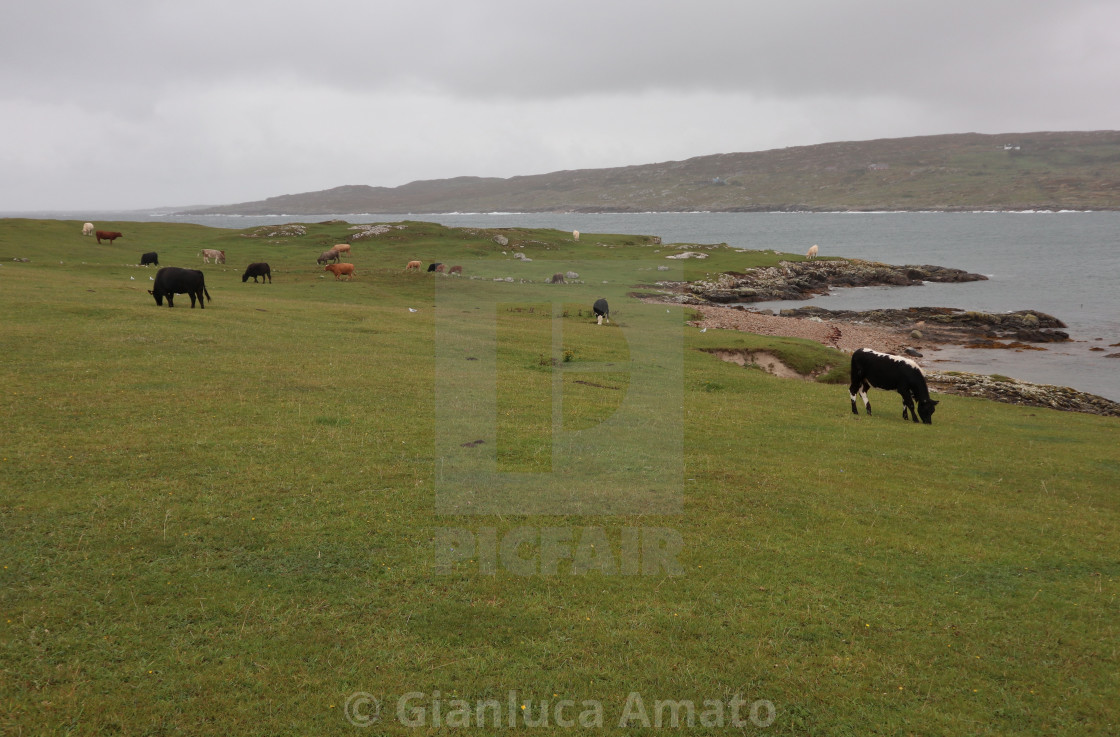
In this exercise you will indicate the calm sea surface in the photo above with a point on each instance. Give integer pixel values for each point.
(1064, 264)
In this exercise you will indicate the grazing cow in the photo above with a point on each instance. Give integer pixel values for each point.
(151, 258)
(456, 270)
(341, 270)
(556, 278)
(413, 266)
(213, 253)
(325, 256)
(87, 229)
(260, 269)
(812, 254)
(171, 280)
(107, 235)
(601, 310)
(435, 267)
(885, 371)
(341, 248)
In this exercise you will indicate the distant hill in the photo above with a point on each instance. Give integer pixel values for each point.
(968, 171)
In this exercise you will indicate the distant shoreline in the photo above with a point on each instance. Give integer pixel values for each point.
(148, 214)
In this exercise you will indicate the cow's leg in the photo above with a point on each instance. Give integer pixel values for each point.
(201, 301)
(170, 299)
(908, 405)
(860, 388)
(191, 295)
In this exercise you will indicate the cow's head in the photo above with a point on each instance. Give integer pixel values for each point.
(159, 297)
(925, 410)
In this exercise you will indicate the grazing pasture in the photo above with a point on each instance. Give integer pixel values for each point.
(223, 521)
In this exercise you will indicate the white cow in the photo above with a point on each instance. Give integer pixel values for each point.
(812, 254)
(87, 229)
(575, 235)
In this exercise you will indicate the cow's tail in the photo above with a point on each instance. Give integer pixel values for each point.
(207, 294)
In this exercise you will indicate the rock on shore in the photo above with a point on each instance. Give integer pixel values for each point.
(799, 280)
(952, 325)
(1013, 391)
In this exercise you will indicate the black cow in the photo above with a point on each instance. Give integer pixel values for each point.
(601, 310)
(151, 258)
(434, 267)
(258, 269)
(885, 371)
(171, 280)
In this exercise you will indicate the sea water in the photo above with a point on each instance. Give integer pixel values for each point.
(1065, 264)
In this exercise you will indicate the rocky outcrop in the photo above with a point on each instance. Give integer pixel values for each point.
(287, 230)
(1013, 391)
(799, 280)
(374, 230)
(953, 325)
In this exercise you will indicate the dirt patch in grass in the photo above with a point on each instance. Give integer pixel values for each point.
(764, 360)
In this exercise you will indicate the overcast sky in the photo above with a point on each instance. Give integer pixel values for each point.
(128, 104)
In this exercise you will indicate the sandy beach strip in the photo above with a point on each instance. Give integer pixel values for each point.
(844, 336)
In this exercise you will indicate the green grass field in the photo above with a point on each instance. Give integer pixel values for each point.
(269, 516)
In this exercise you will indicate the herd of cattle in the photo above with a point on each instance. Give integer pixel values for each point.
(172, 280)
(869, 368)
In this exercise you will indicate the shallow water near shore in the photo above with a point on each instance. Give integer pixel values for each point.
(1065, 264)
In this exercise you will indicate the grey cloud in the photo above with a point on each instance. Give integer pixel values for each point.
(219, 92)
(546, 49)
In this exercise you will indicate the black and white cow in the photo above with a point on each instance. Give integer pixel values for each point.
(171, 280)
(885, 371)
(601, 310)
(149, 258)
(254, 270)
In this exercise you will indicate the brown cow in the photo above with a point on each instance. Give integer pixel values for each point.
(439, 268)
(413, 266)
(340, 270)
(107, 235)
(341, 248)
(556, 279)
(213, 253)
(456, 270)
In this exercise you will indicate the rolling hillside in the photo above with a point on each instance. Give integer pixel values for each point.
(1015, 171)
